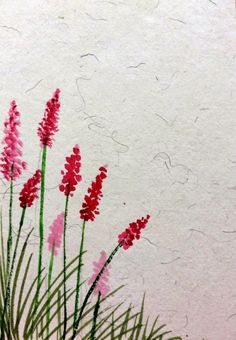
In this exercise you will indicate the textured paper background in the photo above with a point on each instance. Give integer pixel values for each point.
(148, 87)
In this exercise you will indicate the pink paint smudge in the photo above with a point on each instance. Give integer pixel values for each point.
(56, 231)
(102, 285)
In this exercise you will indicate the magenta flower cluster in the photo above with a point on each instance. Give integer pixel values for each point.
(11, 164)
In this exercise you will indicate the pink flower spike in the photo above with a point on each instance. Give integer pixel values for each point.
(49, 124)
(56, 231)
(11, 165)
(132, 232)
(29, 191)
(102, 285)
(71, 177)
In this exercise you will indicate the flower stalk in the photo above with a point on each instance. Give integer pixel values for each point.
(64, 269)
(9, 239)
(92, 287)
(90, 208)
(71, 178)
(54, 243)
(41, 227)
(77, 292)
(95, 316)
(50, 270)
(46, 131)
(125, 240)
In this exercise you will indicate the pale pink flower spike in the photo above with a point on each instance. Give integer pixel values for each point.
(56, 231)
(102, 285)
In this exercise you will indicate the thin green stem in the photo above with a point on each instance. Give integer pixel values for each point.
(41, 231)
(9, 249)
(77, 292)
(8, 289)
(50, 269)
(95, 315)
(64, 268)
(59, 315)
(93, 286)
(9, 240)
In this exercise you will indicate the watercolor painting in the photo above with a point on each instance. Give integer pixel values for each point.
(38, 312)
(117, 170)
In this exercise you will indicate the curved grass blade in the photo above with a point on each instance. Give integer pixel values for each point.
(22, 309)
(16, 277)
(87, 325)
(10, 331)
(101, 323)
(125, 324)
(140, 320)
(104, 299)
(44, 296)
(16, 331)
(153, 328)
(154, 332)
(59, 315)
(134, 328)
(84, 315)
(29, 317)
(59, 308)
(2, 248)
(115, 321)
(119, 326)
(160, 336)
(112, 327)
(44, 308)
(3, 286)
(145, 330)
(129, 330)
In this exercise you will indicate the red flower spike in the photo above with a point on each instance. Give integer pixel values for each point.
(132, 232)
(71, 177)
(29, 191)
(49, 124)
(11, 165)
(91, 201)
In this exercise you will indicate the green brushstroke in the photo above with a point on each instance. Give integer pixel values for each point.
(64, 268)
(78, 276)
(9, 240)
(95, 315)
(41, 229)
(50, 269)
(93, 286)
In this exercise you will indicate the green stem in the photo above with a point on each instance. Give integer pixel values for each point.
(64, 268)
(9, 240)
(59, 315)
(78, 276)
(93, 286)
(8, 289)
(49, 285)
(95, 315)
(41, 212)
